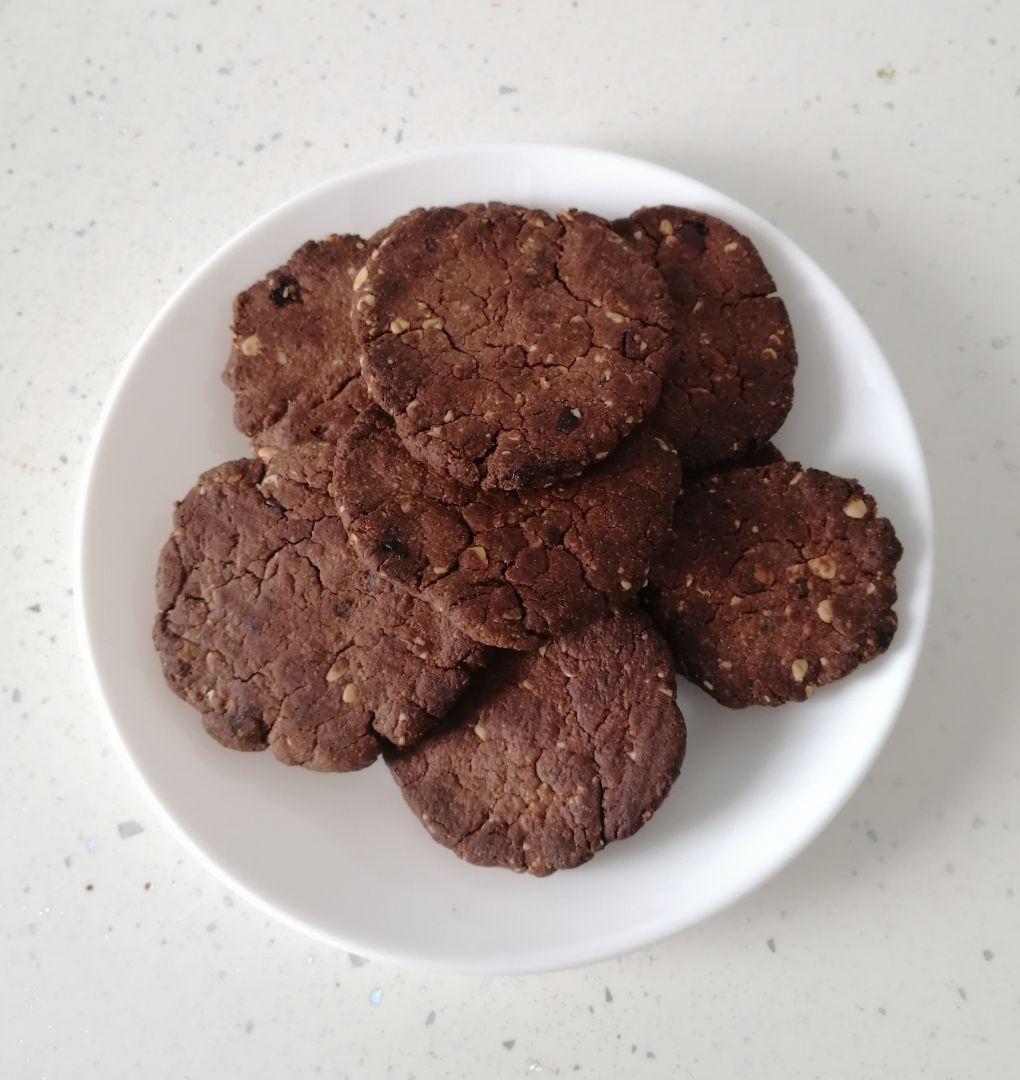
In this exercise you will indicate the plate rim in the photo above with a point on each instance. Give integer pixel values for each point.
(592, 950)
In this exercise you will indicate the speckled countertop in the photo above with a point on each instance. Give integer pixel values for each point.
(136, 138)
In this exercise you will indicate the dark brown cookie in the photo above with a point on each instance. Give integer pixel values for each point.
(731, 387)
(270, 626)
(511, 348)
(293, 351)
(554, 754)
(780, 579)
(508, 568)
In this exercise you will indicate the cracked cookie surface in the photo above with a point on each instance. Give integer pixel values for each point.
(317, 421)
(508, 568)
(270, 626)
(511, 348)
(555, 753)
(731, 386)
(293, 350)
(780, 579)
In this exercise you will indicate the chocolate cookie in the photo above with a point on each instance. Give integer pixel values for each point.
(554, 754)
(731, 386)
(293, 350)
(269, 625)
(511, 348)
(508, 568)
(780, 579)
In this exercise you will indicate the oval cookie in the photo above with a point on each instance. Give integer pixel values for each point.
(556, 754)
(511, 348)
(729, 387)
(780, 579)
(269, 625)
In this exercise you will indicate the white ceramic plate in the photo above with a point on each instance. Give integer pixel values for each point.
(339, 856)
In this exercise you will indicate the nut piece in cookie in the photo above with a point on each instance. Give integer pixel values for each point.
(729, 387)
(269, 625)
(293, 350)
(555, 754)
(780, 579)
(508, 568)
(512, 349)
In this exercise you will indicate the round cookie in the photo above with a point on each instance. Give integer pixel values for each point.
(730, 386)
(508, 568)
(269, 625)
(511, 348)
(293, 350)
(780, 580)
(555, 754)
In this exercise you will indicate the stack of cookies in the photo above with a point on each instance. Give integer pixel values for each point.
(463, 540)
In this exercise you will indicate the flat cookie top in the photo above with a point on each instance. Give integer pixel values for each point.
(731, 387)
(269, 625)
(780, 579)
(508, 568)
(511, 348)
(293, 349)
(555, 753)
